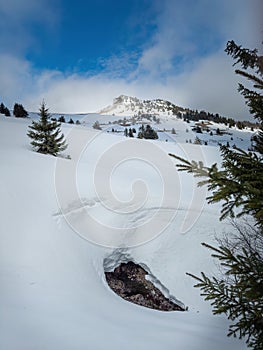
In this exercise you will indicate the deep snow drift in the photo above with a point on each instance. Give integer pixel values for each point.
(64, 221)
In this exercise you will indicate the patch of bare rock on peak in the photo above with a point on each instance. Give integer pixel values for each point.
(128, 280)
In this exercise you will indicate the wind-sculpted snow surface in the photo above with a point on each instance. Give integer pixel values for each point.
(62, 219)
(122, 192)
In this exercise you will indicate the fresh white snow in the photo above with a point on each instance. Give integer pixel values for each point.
(53, 294)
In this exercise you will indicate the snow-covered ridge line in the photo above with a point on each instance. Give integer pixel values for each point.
(127, 105)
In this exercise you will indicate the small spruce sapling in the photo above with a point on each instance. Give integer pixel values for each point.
(46, 134)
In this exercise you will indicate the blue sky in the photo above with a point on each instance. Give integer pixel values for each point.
(91, 31)
(80, 54)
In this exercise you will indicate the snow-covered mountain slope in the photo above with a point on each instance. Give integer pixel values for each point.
(128, 106)
(169, 128)
(53, 293)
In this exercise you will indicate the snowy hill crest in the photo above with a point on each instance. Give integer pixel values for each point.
(127, 105)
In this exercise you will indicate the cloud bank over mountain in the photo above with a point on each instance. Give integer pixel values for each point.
(182, 60)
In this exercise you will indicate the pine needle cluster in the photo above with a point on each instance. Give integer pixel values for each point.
(238, 184)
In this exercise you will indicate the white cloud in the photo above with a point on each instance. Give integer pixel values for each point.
(244, 22)
(186, 29)
(212, 86)
(16, 17)
(16, 76)
(76, 94)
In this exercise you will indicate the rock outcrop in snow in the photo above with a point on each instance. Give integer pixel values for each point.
(129, 280)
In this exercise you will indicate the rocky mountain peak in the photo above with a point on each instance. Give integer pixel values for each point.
(127, 106)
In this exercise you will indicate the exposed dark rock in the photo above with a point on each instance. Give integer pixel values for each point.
(128, 281)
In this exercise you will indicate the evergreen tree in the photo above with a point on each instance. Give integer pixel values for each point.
(239, 184)
(240, 125)
(61, 119)
(147, 133)
(71, 121)
(239, 293)
(46, 135)
(141, 132)
(19, 111)
(7, 112)
(2, 108)
(249, 59)
(197, 141)
(198, 130)
(96, 125)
